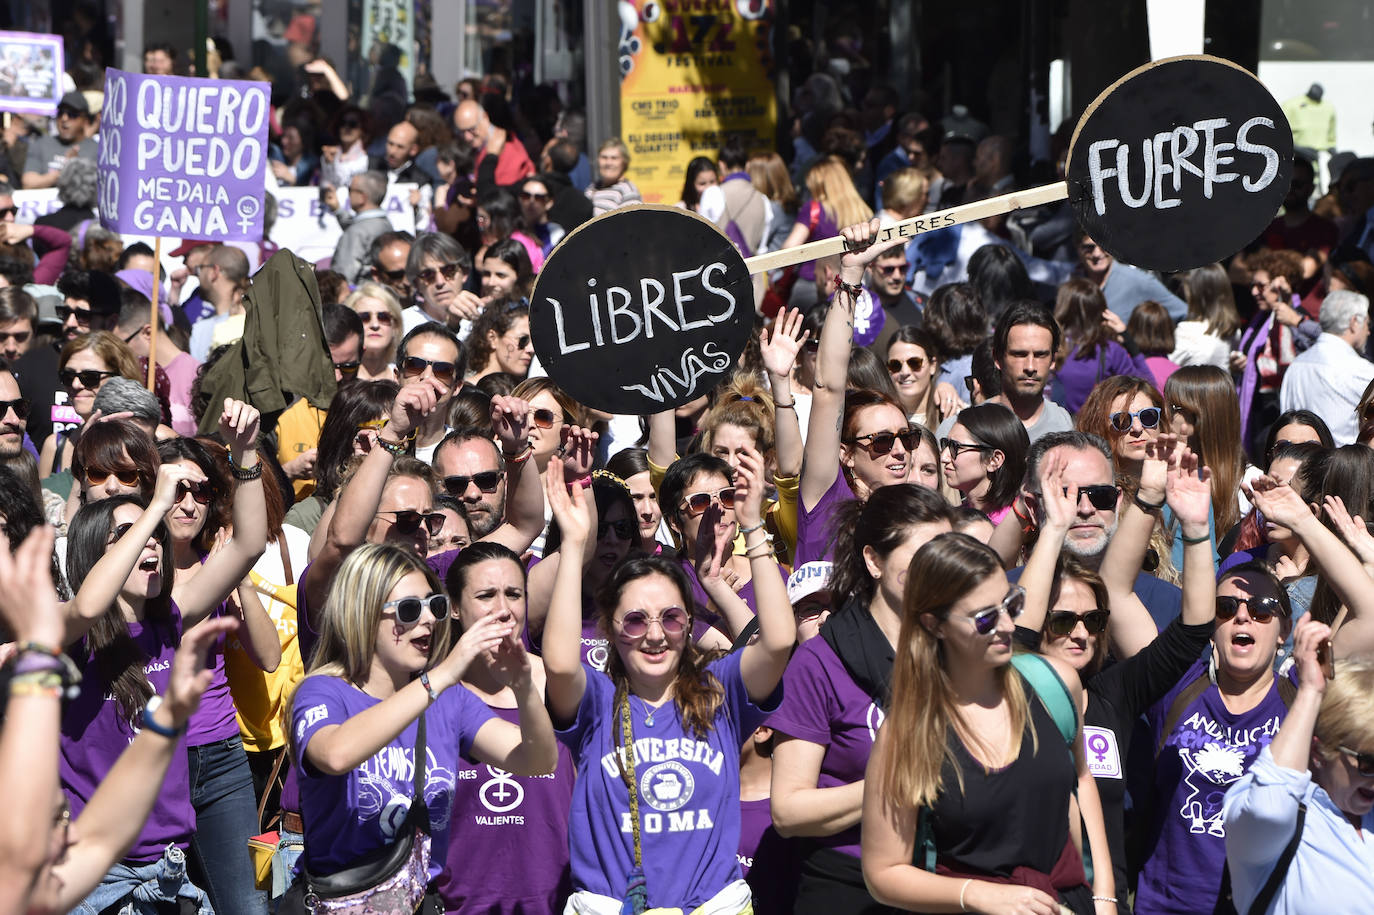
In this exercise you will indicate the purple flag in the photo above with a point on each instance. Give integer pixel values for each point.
(183, 157)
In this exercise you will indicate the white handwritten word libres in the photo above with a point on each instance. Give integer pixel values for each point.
(1207, 151)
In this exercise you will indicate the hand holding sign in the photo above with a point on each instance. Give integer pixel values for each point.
(1181, 163)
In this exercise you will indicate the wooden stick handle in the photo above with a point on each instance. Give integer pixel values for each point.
(917, 225)
(152, 315)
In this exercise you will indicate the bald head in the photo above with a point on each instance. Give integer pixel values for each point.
(401, 144)
(471, 124)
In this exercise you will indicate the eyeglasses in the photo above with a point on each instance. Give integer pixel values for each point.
(20, 406)
(121, 529)
(1261, 609)
(82, 315)
(956, 448)
(985, 620)
(880, 443)
(390, 276)
(635, 624)
(544, 419)
(96, 477)
(486, 480)
(915, 363)
(408, 609)
(1063, 622)
(624, 529)
(526, 195)
(8, 211)
(808, 611)
(198, 491)
(408, 521)
(430, 274)
(1364, 762)
(347, 369)
(696, 503)
(891, 268)
(1122, 420)
(69, 113)
(89, 378)
(381, 317)
(1102, 496)
(414, 367)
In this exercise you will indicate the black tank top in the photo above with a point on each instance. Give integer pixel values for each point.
(1011, 817)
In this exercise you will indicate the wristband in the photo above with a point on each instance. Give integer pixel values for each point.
(153, 705)
(1147, 507)
(1205, 538)
(26, 687)
(1111, 899)
(962, 889)
(246, 474)
(520, 456)
(584, 482)
(750, 530)
(424, 681)
(395, 449)
(853, 289)
(784, 406)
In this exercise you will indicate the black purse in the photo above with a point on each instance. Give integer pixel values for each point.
(371, 874)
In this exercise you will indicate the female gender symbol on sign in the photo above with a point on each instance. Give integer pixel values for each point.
(1180, 163)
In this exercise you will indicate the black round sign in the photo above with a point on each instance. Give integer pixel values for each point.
(641, 310)
(1180, 163)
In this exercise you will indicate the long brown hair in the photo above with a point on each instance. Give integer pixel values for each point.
(1078, 308)
(1211, 300)
(1209, 394)
(924, 710)
(1094, 416)
(696, 691)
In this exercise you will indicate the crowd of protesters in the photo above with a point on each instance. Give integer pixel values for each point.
(999, 577)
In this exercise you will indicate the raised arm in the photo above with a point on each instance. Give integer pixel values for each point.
(102, 585)
(531, 747)
(1356, 636)
(715, 547)
(225, 568)
(1131, 627)
(763, 660)
(662, 438)
(524, 515)
(822, 453)
(258, 635)
(1059, 498)
(1189, 494)
(565, 678)
(779, 348)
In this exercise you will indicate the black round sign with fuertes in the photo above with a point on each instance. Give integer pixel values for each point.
(641, 310)
(1180, 163)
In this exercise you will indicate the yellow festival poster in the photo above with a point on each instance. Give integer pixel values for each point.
(691, 73)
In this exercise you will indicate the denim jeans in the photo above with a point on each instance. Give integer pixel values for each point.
(144, 889)
(226, 815)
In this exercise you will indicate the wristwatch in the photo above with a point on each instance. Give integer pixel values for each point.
(153, 705)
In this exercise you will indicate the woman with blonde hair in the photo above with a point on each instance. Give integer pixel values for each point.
(768, 174)
(378, 696)
(971, 746)
(905, 193)
(1207, 335)
(834, 202)
(84, 365)
(380, 313)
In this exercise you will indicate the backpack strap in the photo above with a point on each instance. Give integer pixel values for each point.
(1186, 697)
(1051, 692)
(1280, 871)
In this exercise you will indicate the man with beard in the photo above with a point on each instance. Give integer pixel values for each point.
(14, 410)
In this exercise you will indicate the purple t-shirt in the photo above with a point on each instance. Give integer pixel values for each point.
(703, 599)
(824, 706)
(826, 227)
(95, 733)
(813, 527)
(755, 818)
(688, 790)
(508, 838)
(1208, 750)
(215, 718)
(348, 816)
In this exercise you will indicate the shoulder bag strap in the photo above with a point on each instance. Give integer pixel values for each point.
(267, 792)
(1050, 691)
(419, 813)
(285, 558)
(1271, 886)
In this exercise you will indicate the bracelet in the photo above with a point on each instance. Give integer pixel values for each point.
(520, 456)
(1111, 899)
(34, 662)
(766, 554)
(1205, 538)
(51, 670)
(20, 688)
(750, 530)
(584, 482)
(424, 681)
(1147, 507)
(395, 449)
(246, 474)
(853, 289)
(148, 721)
(784, 406)
(962, 889)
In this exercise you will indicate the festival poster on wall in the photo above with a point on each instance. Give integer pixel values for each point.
(388, 42)
(30, 73)
(183, 157)
(692, 72)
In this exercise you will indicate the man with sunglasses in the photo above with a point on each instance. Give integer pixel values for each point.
(503, 498)
(223, 275)
(1123, 286)
(136, 331)
(386, 263)
(431, 351)
(885, 280)
(48, 154)
(90, 302)
(14, 411)
(51, 243)
(438, 268)
(473, 127)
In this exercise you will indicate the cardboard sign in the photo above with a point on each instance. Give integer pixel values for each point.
(641, 310)
(1180, 163)
(30, 73)
(183, 157)
(307, 228)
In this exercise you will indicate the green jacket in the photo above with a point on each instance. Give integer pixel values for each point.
(283, 354)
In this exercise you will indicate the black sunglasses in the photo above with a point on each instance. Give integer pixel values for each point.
(82, 315)
(526, 195)
(1261, 609)
(624, 529)
(8, 211)
(20, 406)
(1102, 496)
(880, 443)
(121, 529)
(430, 274)
(347, 369)
(1063, 622)
(1122, 420)
(89, 378)
(915, 363)
(408, 521)
(408, 609)
(1364, 762)
(381, 317)
(414, 367)
(956, 448)
(486, 480)
(201, 492)
(985, 620)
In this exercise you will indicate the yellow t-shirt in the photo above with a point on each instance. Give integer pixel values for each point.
(260, 697)
(779, 515)
(298, 430)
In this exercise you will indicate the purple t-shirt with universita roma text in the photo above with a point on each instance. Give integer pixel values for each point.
(823, 705)
(95, 732)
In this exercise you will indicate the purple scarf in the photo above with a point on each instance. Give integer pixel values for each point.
(1249, 379)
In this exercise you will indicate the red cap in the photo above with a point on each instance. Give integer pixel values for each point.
(189, 245)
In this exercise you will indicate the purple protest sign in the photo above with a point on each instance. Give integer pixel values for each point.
(183, 157)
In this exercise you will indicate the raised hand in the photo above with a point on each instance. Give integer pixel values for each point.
(1188, 491)
(577, 448)
(238, 425)
(1353, 530)
(1309, 637)
(569, 506)
(509, 663)
(861, 249)
(780, 345)
(482, 637)
(28, 601)
(413, 403)
(749, 486)
(510, 418)
(1279, 502)
(168, 477)
(1161, 454)
(713, 547)
(1058, 496)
